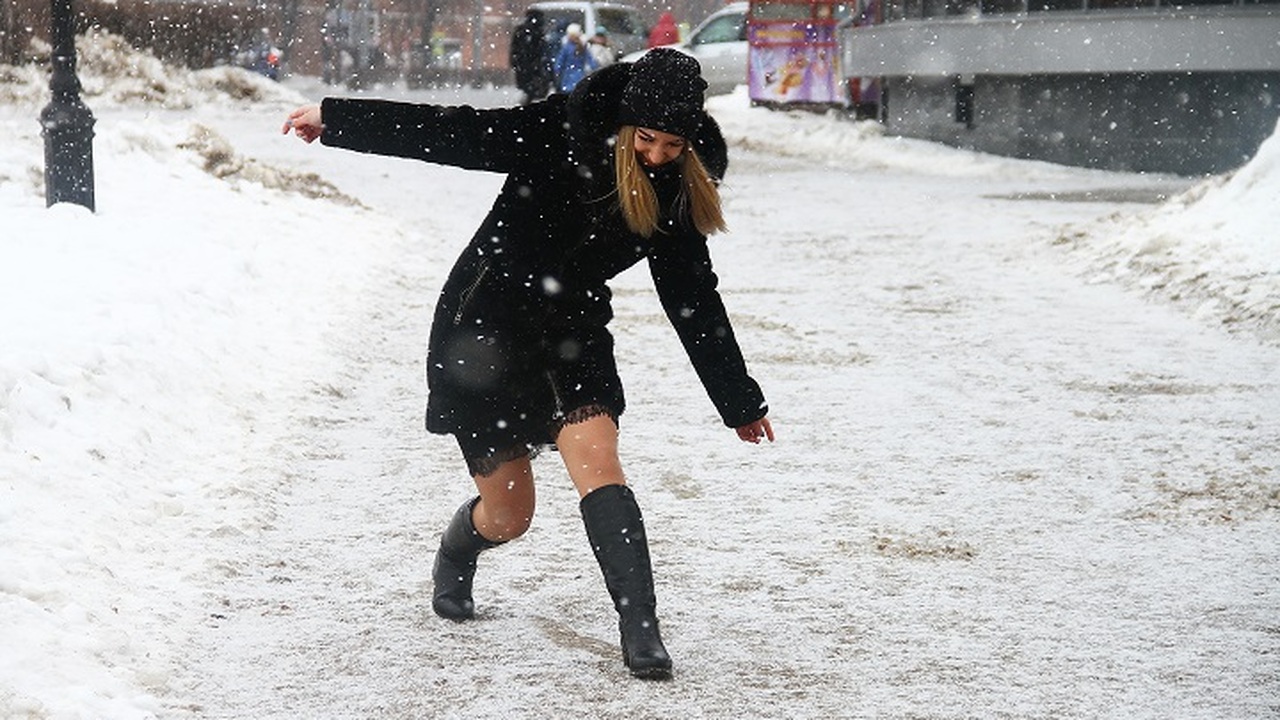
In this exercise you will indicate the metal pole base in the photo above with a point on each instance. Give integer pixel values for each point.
(68, 153)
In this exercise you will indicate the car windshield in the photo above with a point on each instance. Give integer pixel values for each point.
(618, 22)
(726, 28)
(560, 19)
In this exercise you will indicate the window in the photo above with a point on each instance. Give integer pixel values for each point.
(561, 19)
(1051, 5)
(1108, 4)
(726, 28)
(996, 7)
(619, 22)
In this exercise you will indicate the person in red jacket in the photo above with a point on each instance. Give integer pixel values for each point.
(665, 32)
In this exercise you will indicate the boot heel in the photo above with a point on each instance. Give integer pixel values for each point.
(642, 650)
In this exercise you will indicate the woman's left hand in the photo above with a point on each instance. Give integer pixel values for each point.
(756, 431)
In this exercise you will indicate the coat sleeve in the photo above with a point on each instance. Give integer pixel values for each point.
(686, 285)
(462, 136)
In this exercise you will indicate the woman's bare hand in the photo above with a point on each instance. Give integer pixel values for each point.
(305, 123)
(756, 431)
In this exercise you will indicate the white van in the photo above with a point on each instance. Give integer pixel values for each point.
(623, 24)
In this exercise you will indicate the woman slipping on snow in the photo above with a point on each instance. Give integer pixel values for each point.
(520, 357)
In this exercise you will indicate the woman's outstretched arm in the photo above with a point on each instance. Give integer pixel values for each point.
(494, 139)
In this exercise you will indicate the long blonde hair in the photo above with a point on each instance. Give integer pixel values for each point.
(639, 202)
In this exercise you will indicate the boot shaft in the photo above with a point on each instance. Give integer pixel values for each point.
(615, 529)
(461, 540)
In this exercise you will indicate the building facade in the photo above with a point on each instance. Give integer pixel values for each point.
(1137, 85)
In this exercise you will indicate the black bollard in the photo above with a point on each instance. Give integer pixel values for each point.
(67, 122)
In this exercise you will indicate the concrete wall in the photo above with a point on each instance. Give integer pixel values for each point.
(1181, 123)
(1213, 38)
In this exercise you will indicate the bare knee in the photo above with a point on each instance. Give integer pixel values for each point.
(506, 505)
(502, 521)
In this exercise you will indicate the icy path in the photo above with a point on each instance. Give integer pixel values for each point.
(998, 491)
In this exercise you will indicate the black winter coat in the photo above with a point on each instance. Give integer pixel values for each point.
(519, 336)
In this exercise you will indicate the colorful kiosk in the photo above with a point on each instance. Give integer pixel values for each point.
(792, 54)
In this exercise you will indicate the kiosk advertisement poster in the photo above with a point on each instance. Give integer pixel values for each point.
(792, 61)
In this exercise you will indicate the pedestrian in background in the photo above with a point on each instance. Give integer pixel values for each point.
(601, 51)
(574, 61)
(623, 169)
(529, 56)
(665, 32)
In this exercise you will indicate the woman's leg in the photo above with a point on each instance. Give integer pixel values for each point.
(502, 512)
(590, 453)
(616, 532)
(506, 504)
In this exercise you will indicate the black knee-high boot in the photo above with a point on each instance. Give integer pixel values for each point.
(616, 531)
(455, 566)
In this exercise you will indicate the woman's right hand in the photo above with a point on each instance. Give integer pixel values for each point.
(756, 431)
(305, 123)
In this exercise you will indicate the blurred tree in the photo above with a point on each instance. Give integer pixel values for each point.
(288, 32)
(8, 53)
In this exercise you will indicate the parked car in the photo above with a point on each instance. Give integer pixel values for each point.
(720, 44)
(622, 23)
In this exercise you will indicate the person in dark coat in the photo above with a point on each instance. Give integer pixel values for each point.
(622, 170)
(529, 56)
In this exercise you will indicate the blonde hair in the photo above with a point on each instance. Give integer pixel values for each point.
(639, 202)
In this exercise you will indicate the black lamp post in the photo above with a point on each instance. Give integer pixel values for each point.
(67, 122)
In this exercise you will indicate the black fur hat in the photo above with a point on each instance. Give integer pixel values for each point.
(664, 93)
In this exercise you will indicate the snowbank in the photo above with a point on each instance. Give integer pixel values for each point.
(831, 139)
(1215, 248)
(128, 342)
(113, 74)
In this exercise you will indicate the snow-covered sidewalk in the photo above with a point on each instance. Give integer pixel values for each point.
(1012, 478)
